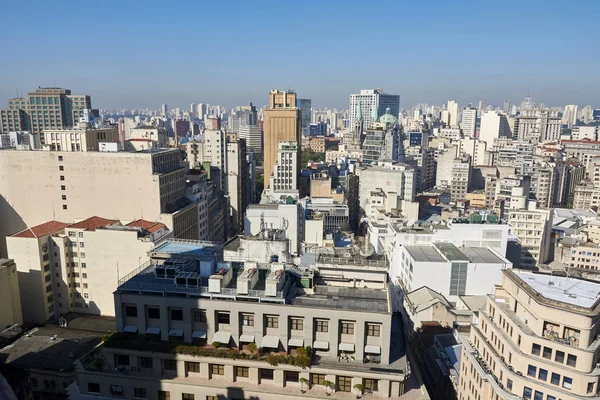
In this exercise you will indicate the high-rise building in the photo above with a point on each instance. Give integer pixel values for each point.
(283, 179)
(237, 181)
(534, 339)
(468, 123)
(384, 140)
(164, 110)
(242, 116)
(282, 123)
(40, 186)
(193, 110)
(453, 113)
(481, 106)
(181, 127)
(493, 126)
(506, 107)
(201, 110)
(46, 108)
(306, 106)
(533, 228)
(570, 115)
(253, 136)
(370, 100)
(538, 126)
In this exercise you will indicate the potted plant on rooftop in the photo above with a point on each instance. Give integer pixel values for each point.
(359, 388)
(303, 381)
(327, 385)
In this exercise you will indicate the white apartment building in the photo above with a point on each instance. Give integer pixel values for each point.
(584, 132)
(468, 123)
(570, 115)
(150, 133)
(538, 126)
(40, 186)
(512, 153)
(478, 151)
(536, 338)
(10, 298)
(533, 228)
(453, 114)
(494, 125)
(452, 133)
(254, 138)
(198, 342)
(445, 159)
(284, 178)
(83, 137)
(390, 177)
(584, 150)
(74, 267)
(461, 178)
(22, 140)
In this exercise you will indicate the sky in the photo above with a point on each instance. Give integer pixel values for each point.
(139, 54)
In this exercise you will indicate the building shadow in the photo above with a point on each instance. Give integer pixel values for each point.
(235, 394)
(10, 223)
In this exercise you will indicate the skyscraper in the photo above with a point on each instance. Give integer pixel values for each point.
(369, 99)
(570, 115)
(282, 123)
(46, 108)
(493, 126)
(481, 106)
(506, 107)
(306, 106)
(453, 112)
(193, 109)
(468, 122)
(164, 110)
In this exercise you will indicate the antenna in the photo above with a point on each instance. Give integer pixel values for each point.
(529, 88)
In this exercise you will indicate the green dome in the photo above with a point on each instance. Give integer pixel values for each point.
(388, 118)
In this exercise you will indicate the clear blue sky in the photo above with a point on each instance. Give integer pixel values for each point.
(143, 53)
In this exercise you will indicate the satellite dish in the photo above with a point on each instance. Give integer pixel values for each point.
(410, 222)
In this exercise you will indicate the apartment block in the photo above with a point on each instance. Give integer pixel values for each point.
(533, 228)
(237, 182)
(536, 338)
(390, 177)
(74, 267)
(39, 186)
(538, 126)
(82, 137)
(214, 328)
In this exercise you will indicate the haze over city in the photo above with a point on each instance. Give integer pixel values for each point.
(142, 54)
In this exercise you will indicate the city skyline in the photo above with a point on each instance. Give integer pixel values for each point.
(124, 63)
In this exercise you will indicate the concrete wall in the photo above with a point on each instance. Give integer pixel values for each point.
(10, 311)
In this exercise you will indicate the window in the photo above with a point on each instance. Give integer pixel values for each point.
(370, 384)
(567, 382)
(550, 397)
(146, 362)
(199, 315)
(139, 393)
(217, 369)
(547, 353)
(590, 387)
(242, 372)
(526, 392)
(344, 383)
(571, 360)
(83, 265)
(122, 359)
(531, 371)
(170, 365)
(317, 379)
(272, 322)
(92, 387)
(538, 395)
(153, 312)
(176, 314)
(64, 206)
(297, 324)
(509, 384)
(164, 395)
(322, 325)
(116, 390)
(248, 319)
(223, 318)
(555, 379)
(559, 356)
(543, 374)
(187, 396)
(63, 187)
(373, 330)
(62, 177)
(60, 158)
(536, 349)
(292, 376)
(81, 244)
(130, 311)
(266, 374)
(348, 328)
(192, 366)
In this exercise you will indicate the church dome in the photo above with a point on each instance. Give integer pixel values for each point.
(388, 118)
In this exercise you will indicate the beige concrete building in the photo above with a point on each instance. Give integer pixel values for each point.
(535, 339)
(10, 299)
(39, 186)
(74, 267)
(320, 186)
(477, 198)
(533, 228)
(278, 307)
(83, 137)
(282, 122)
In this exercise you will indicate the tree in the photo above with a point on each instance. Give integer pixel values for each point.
(252, 348)
(308, 155)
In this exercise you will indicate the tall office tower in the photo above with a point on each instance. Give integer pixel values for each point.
(46, 108)
(287, 161)
(587, 114)
(534, 339)
(237, 182)
(570, 173)
(461, 177)
(506, 107)
(493, 126)
(481, 107)
(570, 115)
(253, 136)
(201, 110)
(40, 186)
(193, 109)
(306, 106)
(453, 112)
(372, 99)
(181, 127)
(282, 123)
(538, 126)
(242, 116)
(543, 183)
(468, 123)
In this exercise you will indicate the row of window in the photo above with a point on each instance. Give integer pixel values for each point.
(559, 356)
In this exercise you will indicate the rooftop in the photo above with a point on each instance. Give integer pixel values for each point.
(186, 247)
(50, 348)
(567, 290)
(47, 228)
(424, 253)
(448, 252)
(147, 225)
(481, 255)
(92, 223)
(424, 297)
(345, 298)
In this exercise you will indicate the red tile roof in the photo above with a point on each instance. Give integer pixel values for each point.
(147, 225)
(44, 229)
(92, 223)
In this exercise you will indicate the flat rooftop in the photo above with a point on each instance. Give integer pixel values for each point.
(573, 291)
(345, 298)
(186, 247)
(448, 252)
(50, 348)
(451, 252)
(481, 255)
(424, 254)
